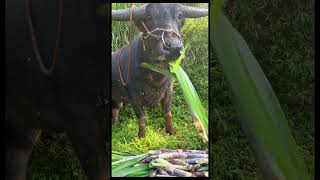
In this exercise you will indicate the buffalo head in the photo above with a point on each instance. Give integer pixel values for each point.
(160, 25)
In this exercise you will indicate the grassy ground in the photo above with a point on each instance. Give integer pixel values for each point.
(124, 137)
(280, 34)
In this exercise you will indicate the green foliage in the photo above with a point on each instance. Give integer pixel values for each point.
(53, 158)
(120, 29)
(257, 104)
(163, 71)
(125, 164)
(275, 31)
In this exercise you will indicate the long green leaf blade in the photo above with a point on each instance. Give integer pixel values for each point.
(176, 63)
(261, 115)
(192, 98)
(141, 170)
(216, 7)
(157, 69)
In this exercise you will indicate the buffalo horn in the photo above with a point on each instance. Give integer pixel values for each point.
(124, 14)
(193, 12)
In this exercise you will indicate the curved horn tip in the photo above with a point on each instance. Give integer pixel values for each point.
(193, 12)
(124, 14)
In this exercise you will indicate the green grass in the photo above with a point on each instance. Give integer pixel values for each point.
(53, 158)
(124, 137)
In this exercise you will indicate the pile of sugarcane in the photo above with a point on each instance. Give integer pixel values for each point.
(161, 163)
(170, 163)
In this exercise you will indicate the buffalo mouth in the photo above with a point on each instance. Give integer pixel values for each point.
(166, 55)
(164, 52)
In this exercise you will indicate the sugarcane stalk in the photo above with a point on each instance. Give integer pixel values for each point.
(191, 155)
(178, 162)
(161, 171)
(196, 151)
(187, 166)
(178, 172)
(159, 175)
(159, 163)
(197, 161)
(172, 155)
(179, 154)
(153, 173)
(200, 174)
(163, 163)
(147, 159)
(195, 167)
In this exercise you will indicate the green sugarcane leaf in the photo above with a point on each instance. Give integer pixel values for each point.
(130, 158)
(123, 153)
(216, 7)
(176, 63)
(141, 169)
(144, 173)
(204, 168)
(125, 166)
(158, 69)
(192, 98)
(261, 115)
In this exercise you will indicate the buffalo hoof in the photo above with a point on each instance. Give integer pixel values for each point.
(116, 123)
(171, 131)
(141, 134)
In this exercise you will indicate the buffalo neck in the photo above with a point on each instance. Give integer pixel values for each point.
(157, 79)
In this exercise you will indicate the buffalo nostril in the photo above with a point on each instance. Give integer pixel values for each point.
(168, 43)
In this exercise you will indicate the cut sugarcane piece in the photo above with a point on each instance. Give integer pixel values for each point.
(178, 172)
(200, 174)
(197, 161)
(161, 171)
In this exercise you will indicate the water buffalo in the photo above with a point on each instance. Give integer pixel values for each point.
(68, 98)
(158, 42)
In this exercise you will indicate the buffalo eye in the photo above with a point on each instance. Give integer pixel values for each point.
(180, 16)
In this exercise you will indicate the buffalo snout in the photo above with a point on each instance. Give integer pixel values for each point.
(174, 45)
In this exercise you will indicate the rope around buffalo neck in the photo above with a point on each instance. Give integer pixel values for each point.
(35, 46)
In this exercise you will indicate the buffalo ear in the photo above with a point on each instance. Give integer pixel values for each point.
(142, 18)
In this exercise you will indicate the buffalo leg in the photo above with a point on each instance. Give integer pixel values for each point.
(142, 125)
(18, 149)
(138, 110)
(90, 150)
(116, 106)
(166, 103)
